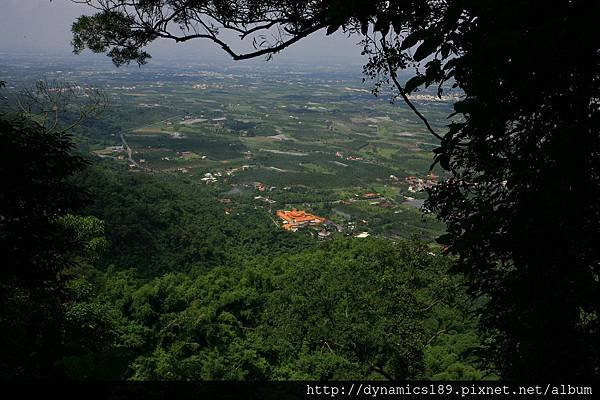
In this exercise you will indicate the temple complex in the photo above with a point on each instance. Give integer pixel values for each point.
(294, 219)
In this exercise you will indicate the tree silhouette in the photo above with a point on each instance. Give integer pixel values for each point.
(522, 149)
(34, 168)
(36, 241)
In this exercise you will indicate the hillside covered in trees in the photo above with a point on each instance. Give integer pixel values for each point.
(163, 287)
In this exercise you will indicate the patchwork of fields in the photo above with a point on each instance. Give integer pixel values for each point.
(317, 140)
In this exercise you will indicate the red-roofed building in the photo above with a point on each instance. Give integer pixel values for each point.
(294, 219)
(370, 195)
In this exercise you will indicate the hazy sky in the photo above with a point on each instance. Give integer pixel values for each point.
(44, 26)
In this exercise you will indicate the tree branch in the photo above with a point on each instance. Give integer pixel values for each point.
(241, 56)
(394, 77)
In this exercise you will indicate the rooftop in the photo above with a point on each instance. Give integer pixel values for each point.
(298, 217)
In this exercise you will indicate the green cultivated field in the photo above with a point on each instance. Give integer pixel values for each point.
(313, 139)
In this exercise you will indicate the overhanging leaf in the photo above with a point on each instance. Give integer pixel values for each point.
(428, 47)
(414, 83)
(411, 40)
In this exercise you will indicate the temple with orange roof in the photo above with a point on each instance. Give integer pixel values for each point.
(294, 219)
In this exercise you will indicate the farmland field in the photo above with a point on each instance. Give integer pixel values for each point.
(317, 140)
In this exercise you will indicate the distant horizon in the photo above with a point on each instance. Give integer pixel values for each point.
(161, 58)
(43, 27)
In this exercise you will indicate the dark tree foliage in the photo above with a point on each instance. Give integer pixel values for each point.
(35, 166)
(521, 204)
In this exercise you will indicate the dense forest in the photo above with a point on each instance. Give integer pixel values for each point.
(158, 284)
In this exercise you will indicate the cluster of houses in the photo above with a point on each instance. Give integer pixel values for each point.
(371, 196)
(261, 187)
(204, 86)
(339, 154)
(146, 105)
(416, 184)
(177, 135)
(233, 171)
(265, 199)
(211, 177)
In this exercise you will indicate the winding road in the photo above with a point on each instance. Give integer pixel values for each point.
(128, 148)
